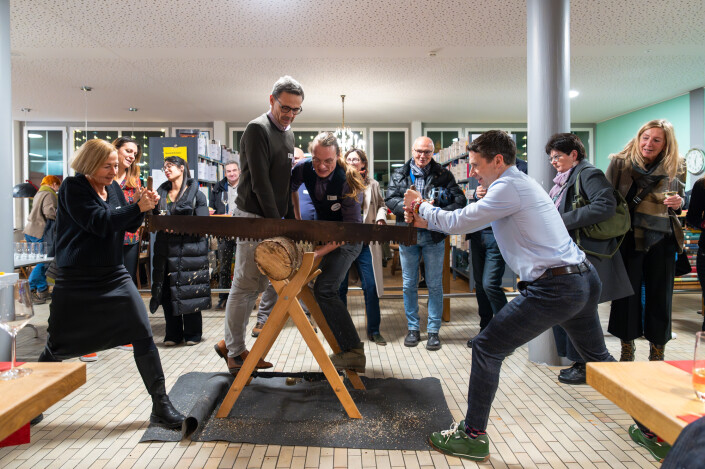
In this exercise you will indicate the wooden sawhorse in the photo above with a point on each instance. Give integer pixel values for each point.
(286, 307)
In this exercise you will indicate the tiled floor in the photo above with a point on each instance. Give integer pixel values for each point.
(536, 422)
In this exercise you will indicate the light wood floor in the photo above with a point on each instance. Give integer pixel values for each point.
(535, 422)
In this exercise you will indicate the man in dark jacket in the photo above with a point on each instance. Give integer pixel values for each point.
(437, 183)
(223, 202)
(266, 155)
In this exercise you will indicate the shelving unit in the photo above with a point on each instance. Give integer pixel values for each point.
(689, 281)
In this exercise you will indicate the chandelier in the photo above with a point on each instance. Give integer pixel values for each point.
(346, 138)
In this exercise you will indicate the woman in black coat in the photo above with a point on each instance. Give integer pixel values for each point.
(181, 281)
(567, 155)
(696, 218)
(95, 304)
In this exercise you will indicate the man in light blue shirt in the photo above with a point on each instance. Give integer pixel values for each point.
(558, 285)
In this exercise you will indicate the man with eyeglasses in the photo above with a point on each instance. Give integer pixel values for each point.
(437, 184)
(266, 155)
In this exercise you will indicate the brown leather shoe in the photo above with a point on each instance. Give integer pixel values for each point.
(235, 363)
(221, 350)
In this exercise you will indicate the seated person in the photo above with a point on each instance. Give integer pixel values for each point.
(336, 192)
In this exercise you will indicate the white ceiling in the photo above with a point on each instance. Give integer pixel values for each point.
(206, 60)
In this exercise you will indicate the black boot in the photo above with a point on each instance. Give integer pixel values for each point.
(163, 412)
(573, 375)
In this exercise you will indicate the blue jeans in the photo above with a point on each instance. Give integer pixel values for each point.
(487, 269)
(410, 257)
(38, 277)
(568, 300)
(369, 288)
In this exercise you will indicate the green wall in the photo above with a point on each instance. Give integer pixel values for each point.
(613, 134)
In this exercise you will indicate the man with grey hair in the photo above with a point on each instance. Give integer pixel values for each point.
(266, 155)
(222, 200)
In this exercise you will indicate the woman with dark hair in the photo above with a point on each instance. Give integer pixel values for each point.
(95, 304)
(180, 277)
(128, 176)
(696, 218)
(646, 173)
(567, 154)
(369, 261)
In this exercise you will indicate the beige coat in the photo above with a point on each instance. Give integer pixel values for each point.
(43, 209)
(373, 209)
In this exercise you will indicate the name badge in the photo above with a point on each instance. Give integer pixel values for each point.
(305, 191)
(335, 207)
(332, 197)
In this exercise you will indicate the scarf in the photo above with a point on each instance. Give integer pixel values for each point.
(419, 176)
(557, 191)
(652, 220)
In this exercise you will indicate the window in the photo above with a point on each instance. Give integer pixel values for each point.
(389, 151)
(45, 154)
(141, 135)
(442, 138)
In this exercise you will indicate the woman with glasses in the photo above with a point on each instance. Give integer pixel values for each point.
(95, 304)
(180, 276)
(369, 261)
(567, 154)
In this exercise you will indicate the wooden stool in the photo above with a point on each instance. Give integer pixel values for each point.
(287, 306)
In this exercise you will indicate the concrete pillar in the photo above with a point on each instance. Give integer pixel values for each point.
(6, 239)
(548, 84)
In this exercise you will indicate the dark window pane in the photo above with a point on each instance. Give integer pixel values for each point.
(397, 150)
(380, 146)
(45, 154)
(303, 139)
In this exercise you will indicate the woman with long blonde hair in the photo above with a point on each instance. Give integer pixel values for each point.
(646, 172)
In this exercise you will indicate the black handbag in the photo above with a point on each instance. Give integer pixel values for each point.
(614, 227)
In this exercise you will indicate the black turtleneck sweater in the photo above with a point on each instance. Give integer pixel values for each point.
(89, 230)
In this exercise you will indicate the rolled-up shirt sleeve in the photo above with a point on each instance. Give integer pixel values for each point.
(500, 201)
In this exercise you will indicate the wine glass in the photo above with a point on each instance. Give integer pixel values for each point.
(162, 206)
(16, 310)
(224, 199)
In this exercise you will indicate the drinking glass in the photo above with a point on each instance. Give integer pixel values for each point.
(44, 250)
(32, 250)
(162, 206)
(224, 199)
(15, 311)
(25, 250)
(18, 251)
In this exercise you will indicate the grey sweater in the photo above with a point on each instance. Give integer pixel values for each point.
(266, 169)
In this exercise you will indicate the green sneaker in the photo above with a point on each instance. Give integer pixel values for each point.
(455, 442)
(658, 449)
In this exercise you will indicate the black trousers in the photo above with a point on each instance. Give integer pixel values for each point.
(656, 269)
(226, 249)
(182, 327)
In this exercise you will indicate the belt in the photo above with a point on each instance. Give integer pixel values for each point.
(566, 270)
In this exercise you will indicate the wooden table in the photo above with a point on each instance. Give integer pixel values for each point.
(654, 393)
(25, 398)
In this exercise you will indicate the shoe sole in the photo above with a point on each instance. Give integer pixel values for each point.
(459, 455)
(217, 350)
(126, 349)
(408, 344)
(88, 360)
(433, 348)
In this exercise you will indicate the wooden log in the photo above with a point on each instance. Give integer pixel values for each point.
(278, 258)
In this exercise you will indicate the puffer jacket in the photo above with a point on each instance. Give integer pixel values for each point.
(451, 198)
(182, 260)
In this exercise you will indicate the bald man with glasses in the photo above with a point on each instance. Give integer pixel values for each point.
(437, 184)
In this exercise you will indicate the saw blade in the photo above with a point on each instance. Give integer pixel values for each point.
(299, 230)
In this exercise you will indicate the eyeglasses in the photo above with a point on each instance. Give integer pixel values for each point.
(287, 109)
(168, 166)
(318, 162)
(424, 152)
(554, 158)
(353, 160)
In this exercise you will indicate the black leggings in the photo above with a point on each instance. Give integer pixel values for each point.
(140, 347)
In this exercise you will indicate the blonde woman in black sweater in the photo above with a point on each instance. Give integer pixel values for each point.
(95, 304)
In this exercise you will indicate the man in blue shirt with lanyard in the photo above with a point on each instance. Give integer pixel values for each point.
(558, 285)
